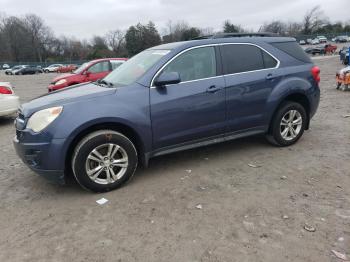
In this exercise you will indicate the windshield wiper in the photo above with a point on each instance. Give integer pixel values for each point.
(102, 82)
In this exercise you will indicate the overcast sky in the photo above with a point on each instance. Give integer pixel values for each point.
(85, 18)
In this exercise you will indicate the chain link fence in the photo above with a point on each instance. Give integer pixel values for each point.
(328, 36)
(42, 64)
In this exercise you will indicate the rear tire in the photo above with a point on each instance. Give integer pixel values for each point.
(104, 160)
(288, 124)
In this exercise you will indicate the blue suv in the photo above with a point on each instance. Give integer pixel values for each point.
(168, 98)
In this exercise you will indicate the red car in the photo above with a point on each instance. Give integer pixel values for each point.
(88, 72)
(67, 69)
(330, 49)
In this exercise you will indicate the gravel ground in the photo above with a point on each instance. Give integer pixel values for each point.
(206, 204)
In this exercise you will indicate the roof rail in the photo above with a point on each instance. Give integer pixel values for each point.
(228, 35)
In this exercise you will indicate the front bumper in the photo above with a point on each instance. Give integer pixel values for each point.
(43, 158)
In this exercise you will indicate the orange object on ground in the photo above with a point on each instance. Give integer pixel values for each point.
(343, 79)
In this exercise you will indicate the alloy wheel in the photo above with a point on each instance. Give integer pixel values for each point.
(291, 125)
(106, 163)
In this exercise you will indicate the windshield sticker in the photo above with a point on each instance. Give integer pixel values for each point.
(161, 52)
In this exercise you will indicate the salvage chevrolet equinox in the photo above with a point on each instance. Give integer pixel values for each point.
(169, 98)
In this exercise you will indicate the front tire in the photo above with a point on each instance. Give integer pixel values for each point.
(288, 124)
(104, 160)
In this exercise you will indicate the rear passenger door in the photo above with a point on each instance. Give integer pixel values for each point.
(250, 75)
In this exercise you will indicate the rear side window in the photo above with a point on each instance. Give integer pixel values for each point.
(293, 49)
(244, 58)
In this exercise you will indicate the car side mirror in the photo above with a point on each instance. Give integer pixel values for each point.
(87, 73)
(167, 78)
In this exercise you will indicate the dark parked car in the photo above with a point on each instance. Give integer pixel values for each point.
(344, 55)
(341, 39)
(11, 71)
(28, 70)
(315, 50)
(169, 98)
(321, 49)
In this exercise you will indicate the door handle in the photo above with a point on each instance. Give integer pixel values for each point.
(270, 77)
(213, 89)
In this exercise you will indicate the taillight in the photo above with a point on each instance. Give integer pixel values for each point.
(5, 90)
(315, 71)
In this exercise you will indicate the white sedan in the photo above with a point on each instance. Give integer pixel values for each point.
(9, 102)
(52, 68)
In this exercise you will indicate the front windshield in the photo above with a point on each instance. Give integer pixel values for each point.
(81, 68)
(134, 68)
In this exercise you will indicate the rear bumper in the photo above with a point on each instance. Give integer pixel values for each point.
(42, 158)
(9, 104)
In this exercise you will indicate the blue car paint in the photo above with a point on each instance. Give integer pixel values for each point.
(164, 119)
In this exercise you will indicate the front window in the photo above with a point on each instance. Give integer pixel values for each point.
(194, 64)
(135, 68)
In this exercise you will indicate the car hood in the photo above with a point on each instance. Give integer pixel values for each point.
(64, 76)
(64, 96)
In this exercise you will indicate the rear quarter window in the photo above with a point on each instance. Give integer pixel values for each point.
(293, 49)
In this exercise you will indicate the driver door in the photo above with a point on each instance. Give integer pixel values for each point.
(194, 109)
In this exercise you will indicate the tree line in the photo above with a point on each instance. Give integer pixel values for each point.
(28, 38)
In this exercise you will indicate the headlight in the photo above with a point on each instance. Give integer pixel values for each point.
(41, 119)
(60, 82)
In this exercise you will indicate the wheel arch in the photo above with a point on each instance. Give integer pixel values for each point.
(297, 97)
(122, 128)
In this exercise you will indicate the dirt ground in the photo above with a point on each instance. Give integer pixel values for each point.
(246, 214)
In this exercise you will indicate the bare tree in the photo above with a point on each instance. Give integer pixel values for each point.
(207, 31)
(277, 27)
(313, 20)
(293, 28)
(39, 34)
(116, 40)
(173, 31)
(17, 41)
